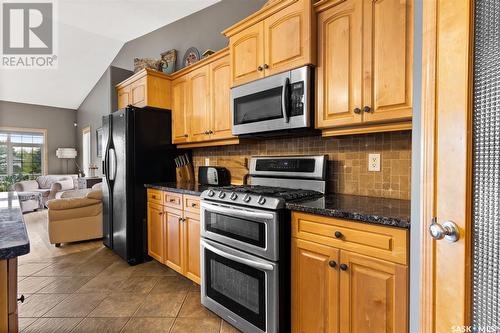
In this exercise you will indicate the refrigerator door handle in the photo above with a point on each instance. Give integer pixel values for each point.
(112, 164)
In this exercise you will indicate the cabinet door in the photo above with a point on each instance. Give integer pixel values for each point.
(315, 287)
(220, 104)
(373, 295)
(247, 54)
(339, 71)
(199, 104)
(288, 38)
(387, 58)
(123, 97)
(179, 110)
(192, 246)
(173, 255)
(156, 232)
(138, 92)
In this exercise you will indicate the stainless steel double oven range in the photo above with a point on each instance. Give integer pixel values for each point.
(246, 239)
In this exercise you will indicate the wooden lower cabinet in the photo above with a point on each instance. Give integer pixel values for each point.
(174, 232)
(156, 230)
(335, 290)
(173, 240)
(8, 296)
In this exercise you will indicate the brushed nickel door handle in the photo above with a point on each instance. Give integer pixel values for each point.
(448, 230)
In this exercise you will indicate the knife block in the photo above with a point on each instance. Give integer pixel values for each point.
(185, 174)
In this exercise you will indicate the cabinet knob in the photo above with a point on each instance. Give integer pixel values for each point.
(343, 267)
(21, 299)
(185, 135)
(172, 200)
(179, 219)
(210, 132)
(332, 263)
(266, 66)
(260, 68)
(338, 234)
(193, 205)
(367, 109)
(357, 110)
(160, 213)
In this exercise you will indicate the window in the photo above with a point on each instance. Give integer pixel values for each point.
(22, 153)
(86, 149)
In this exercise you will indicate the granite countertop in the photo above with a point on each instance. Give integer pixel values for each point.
(383, 211)
(14, 240)
(192, 189)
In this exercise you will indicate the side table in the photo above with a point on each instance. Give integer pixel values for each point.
(88, 182)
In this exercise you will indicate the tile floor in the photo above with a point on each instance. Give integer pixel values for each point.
(96, 291)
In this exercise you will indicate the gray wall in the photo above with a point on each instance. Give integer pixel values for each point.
(416, 169)
(99, 102)
(201, 30)
(58, 122)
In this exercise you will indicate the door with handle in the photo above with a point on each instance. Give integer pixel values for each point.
(446, 163)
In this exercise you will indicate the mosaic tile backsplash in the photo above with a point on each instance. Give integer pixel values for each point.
(347, 160)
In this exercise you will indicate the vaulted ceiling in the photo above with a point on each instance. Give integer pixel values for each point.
(89, 35)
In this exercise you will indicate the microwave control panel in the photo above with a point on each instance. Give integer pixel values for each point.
(297, 99)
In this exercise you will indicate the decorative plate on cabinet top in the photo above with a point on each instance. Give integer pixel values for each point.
(191, 56)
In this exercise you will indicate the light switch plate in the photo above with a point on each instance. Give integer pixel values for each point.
(207, 161)
(373, 162)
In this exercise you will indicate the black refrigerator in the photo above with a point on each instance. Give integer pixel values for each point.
(137, 150)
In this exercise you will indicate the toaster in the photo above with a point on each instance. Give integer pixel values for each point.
(210, 175)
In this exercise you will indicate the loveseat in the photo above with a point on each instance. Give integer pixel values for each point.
(48, 186)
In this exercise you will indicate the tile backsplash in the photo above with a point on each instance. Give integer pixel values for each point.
(347, 160)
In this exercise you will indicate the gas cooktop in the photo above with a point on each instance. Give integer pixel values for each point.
(257, 195)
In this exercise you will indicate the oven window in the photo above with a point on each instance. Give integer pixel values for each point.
(265, 105)
(237, 287)
(247, 231)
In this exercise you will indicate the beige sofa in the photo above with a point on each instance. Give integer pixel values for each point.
(48, 186)
(73, 219)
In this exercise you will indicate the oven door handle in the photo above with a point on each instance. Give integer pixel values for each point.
(237, 212)
(248, 262)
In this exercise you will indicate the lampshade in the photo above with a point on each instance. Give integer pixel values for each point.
(66, 152)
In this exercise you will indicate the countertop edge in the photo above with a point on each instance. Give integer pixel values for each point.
(173, 189)
(15, 227)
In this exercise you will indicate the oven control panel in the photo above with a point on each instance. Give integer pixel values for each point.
(244, 199)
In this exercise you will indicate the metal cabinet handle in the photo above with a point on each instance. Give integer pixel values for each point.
(185, 135)
(210, 132)
(260, 68)
(332, 263)
(338, 234)
(21, 299)
(266, 66)
(367, 109)
(357, 110)
(448, 230)
(172, 200)
(193, 205)
(343, 267)
(179, 219)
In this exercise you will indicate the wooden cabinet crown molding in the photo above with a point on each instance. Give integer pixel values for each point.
(203, 62)
(260, 15)
(142, 73)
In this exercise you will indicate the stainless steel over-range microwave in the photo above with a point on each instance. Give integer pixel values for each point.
(274, 103)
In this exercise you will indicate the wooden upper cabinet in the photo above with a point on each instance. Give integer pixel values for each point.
(276, 38)
(315, 288)
(199, 104)
(373, 295)
(247, 54)
(156, 232)
(179, 110)
(220, 99)
(287, 39)
(364, 73)
(339, 70)
(389, 59)
(173, 246)
(145, 88)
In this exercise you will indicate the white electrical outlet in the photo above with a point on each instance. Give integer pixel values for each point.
(207, 161)
(373, 162)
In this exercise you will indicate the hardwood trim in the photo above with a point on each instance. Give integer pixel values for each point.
(142, 73)
(447, 74)
(391, 127)
(260, 15)
(225, 142)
